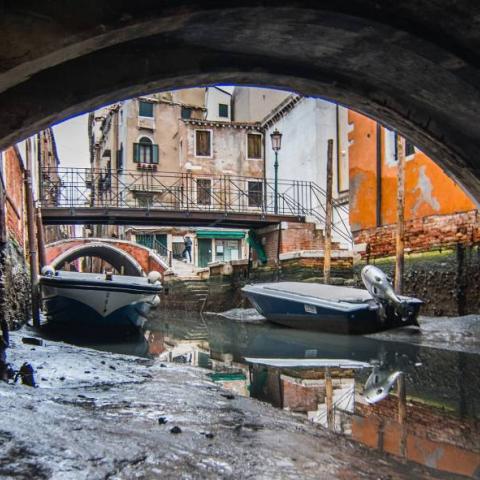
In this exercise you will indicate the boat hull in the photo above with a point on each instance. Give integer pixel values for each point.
(309, 313)
(83, 302)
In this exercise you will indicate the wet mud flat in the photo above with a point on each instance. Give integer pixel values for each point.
(98, 415)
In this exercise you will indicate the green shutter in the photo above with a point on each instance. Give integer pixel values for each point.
(145, 109)
(136, 152)
(154, 153)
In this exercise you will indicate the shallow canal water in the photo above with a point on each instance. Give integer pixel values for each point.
(349, 384)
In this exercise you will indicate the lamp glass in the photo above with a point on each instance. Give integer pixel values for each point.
(276, 137)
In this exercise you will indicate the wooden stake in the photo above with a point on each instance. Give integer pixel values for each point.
(328, 215)
(32, 241)
(400, 233)
(402, 399)
(329, 399)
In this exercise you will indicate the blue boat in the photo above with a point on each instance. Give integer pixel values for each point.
(98, 301)
(335, 309)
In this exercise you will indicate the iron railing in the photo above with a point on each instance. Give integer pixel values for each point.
(151, 189)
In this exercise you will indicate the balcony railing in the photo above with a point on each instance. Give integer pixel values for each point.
(187, 192)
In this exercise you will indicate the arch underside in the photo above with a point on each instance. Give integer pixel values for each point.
(117, 258)
(413, 66)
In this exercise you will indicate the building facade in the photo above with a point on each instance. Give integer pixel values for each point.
(438, 212)
(197, 156)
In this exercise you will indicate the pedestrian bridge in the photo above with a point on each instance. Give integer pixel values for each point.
(127, 257)
(131, 197)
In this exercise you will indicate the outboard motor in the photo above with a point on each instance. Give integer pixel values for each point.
(379, 383)
(380, 288)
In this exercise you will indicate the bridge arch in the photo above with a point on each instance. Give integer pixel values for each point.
(135, 259)
(414, 66)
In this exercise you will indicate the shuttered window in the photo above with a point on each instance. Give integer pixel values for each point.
(254, 145)
(203, 143)
(223, 110)
(255, 191)
(145, 109)
(145, 151)
(409, 148)
(204, 191)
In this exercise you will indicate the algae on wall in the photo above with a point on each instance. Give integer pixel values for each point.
(15, 300)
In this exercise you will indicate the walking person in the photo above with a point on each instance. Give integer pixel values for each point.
(187, 252)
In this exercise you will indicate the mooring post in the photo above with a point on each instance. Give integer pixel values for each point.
(329, 399)
(328, 215)
(31, 235)
(400, 232)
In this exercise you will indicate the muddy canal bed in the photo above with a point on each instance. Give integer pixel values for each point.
(100, 415)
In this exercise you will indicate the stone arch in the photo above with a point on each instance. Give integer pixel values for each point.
(414, 65)
(111, 254)
(138, 258)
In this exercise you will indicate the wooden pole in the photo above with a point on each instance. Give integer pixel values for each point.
(31, 235)
(400, 233)
(402, 412)
(329, 399)
(402, 399)
(42, 257)
(328, 215)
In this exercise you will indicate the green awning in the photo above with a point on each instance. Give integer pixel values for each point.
(229, 235)
(227, 377)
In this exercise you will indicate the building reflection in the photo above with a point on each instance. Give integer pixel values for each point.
(432, 419)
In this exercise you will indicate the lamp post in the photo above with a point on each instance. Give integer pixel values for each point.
(276, 137)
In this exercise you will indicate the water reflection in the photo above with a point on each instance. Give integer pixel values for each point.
(335, 380)
(415, 402)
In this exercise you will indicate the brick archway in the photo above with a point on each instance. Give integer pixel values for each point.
(137, 259)
(413, 65)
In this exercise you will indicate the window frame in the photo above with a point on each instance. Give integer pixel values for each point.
(197, 190)
(195, 142)
(154, 151)
(409, 156)
(258, 134)
(146, 102)
(261, 193)
(220, 105)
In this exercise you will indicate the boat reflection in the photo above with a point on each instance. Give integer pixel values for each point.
(347, 384)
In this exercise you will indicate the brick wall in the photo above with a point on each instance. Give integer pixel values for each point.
(428, 436)
(293, 237)
(15, 203)
(423, 234)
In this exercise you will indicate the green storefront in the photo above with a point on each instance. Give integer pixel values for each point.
(219, 246)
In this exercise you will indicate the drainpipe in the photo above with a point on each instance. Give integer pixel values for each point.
(379, 176)
(264, 169)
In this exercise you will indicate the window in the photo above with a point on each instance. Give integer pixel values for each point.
(204, 191)
(120, 158)
(203, 146)
(223, 110)
(255, 191)
(409, 148)
(145, 109)
(254, 145)
(186, 113)
(145, 151)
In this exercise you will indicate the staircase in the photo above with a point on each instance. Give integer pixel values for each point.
(184, 270)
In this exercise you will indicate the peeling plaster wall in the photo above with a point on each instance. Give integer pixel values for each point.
(428, 190)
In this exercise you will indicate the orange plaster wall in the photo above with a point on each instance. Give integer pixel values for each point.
(428, 189)
(362, 167)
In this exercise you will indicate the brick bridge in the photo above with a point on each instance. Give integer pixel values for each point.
(134, 259)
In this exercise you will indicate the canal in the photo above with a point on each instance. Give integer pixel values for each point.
(329, 379)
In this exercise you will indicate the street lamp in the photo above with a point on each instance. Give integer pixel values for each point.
(276, 137)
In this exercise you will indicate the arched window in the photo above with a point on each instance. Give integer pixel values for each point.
(145, 151)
